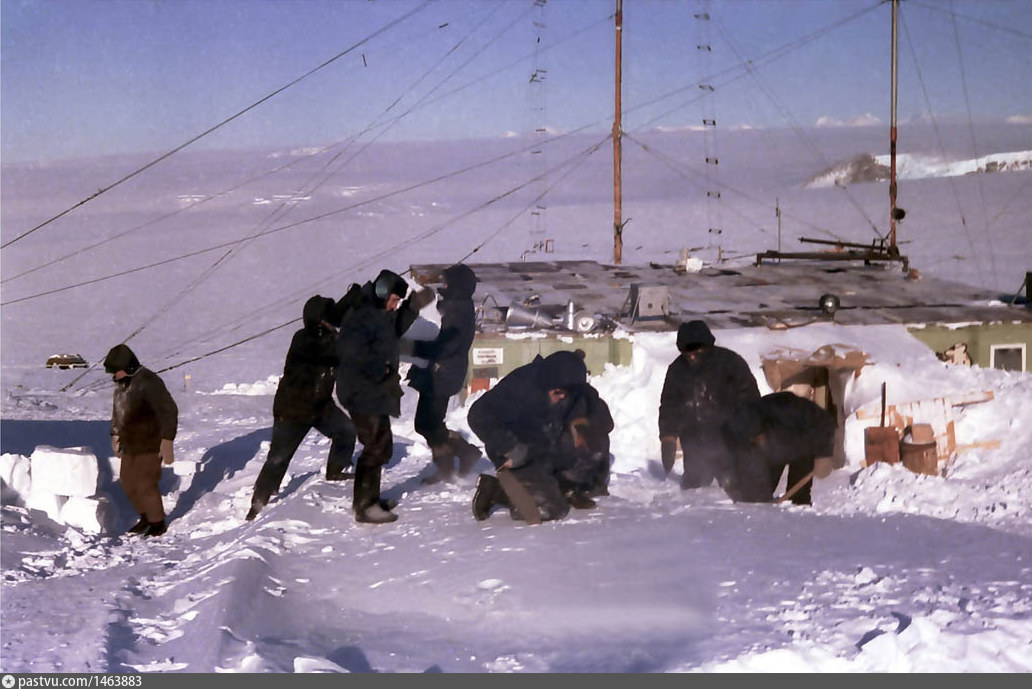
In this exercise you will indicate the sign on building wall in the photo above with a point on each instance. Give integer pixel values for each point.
(488, 356)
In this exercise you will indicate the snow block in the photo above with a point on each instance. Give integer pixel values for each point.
(14, 473)
(7, 462)
(93, 515)
(45, 501)
(19, 480)
(70, 472)
(184, 467)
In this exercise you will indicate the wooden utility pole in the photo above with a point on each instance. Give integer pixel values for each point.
(892, 134)
(617, 211)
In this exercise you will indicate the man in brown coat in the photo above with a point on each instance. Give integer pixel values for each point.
(144, 419)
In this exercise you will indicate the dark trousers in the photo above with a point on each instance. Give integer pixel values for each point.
(706, 457)
(139, 476)
(374, 432)
(287, 435)
(431, 409)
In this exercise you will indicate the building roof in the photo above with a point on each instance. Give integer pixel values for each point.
(776, 295)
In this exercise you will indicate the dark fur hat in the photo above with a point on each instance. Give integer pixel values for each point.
(694, 334)
(121, 358)
(562, 370)
(317, 309)
(461, 280)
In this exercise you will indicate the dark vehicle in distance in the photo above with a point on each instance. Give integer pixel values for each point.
(66, 361)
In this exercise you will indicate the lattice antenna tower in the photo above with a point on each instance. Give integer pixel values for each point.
(537, 94)
(708, 108)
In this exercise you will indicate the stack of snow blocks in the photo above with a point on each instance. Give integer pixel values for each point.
(65, 485)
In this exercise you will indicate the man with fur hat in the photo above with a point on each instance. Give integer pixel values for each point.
(304, 399)
(703, 387)
(144, 420)
(368, 382)
(447, 357)
(521, 420)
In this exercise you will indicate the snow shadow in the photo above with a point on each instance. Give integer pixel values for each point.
(218, 464)
(119, 639)
(394, 491)
(399, 451)
(351, 658)
(22, 436)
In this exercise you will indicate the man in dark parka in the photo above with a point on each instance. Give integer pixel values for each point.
(304, 400)
(704, 386)
(520, 420)
(144, 420)
(368, 382)
(776, 431)
(447, 358)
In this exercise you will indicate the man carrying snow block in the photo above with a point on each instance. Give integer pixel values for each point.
(520, 420)
(304, 400)
(778, 430)
(704, 386)
(144, 420)
(368, 382)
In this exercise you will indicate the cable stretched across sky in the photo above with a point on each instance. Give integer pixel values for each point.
(215, 127)
(742, 69)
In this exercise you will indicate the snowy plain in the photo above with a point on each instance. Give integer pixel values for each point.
(888, 571)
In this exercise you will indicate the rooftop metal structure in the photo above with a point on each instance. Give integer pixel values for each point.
(775, 295)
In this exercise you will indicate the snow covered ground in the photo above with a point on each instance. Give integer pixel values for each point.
(888, 571)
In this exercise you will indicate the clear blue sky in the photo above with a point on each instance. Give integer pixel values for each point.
(88, 77)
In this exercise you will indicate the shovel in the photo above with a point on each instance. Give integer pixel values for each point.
(795, 489)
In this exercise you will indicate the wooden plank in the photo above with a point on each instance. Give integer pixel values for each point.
(872, 410)
(521, 498)
(983, 445)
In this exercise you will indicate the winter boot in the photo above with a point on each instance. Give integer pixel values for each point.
(256, 507)
(467, 453)
(334, 473)
(444, 462)
(488, 494)
(366, 501)
(375, 514)
(155, 529)
(342, 450)
(578, 500)
(140, 526)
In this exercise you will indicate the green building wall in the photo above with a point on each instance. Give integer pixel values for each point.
(979, 338)
(511, 353)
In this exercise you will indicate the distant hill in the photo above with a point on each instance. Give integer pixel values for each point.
(868, 168)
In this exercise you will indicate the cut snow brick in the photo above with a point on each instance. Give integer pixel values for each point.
(45, 501)
(92, 515)
(7, 462)
(21, 476)
(64, 471)
(184, 468)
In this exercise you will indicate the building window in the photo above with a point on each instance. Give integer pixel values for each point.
(1008, 357)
